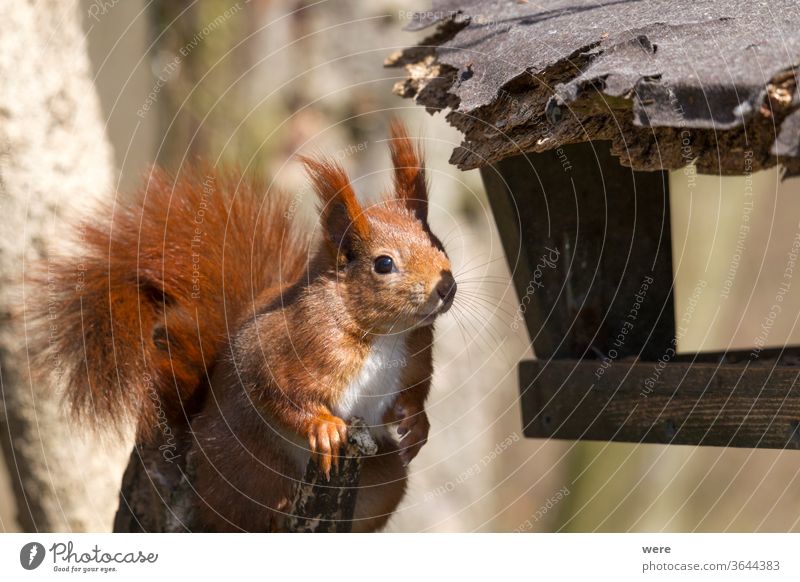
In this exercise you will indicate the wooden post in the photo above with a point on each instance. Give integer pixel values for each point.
(320, 505)
(157, 493)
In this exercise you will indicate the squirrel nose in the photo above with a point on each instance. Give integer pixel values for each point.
(446, 287)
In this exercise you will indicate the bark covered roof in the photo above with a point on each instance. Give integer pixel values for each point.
(667, 81)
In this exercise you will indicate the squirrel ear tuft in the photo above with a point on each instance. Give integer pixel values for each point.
(340, 213)
(410, 184)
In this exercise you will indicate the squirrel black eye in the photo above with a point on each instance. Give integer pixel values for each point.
(384, 265)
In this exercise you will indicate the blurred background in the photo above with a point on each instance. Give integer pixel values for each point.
(256, 82)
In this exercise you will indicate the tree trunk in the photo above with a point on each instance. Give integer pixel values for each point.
(54, 160)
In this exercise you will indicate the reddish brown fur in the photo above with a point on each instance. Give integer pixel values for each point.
(130, 294)
(276, 340)
(409, 177)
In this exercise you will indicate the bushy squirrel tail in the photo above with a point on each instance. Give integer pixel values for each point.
(134, 320)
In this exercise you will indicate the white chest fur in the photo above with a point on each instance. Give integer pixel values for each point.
(375, 387)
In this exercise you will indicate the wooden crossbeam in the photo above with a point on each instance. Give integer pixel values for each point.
(729, 405)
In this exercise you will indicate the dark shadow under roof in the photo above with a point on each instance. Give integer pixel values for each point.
(668, 82)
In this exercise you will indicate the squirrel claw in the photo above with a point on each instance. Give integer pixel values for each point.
(326, 436)
(412, 431)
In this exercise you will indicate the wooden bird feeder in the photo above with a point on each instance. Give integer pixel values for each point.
(574, 113)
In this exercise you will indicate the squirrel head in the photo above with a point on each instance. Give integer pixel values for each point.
(392, 272)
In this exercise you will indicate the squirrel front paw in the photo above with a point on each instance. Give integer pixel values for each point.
(326, 435)
(412, 429)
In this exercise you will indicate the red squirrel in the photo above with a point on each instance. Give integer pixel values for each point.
(199, 301)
